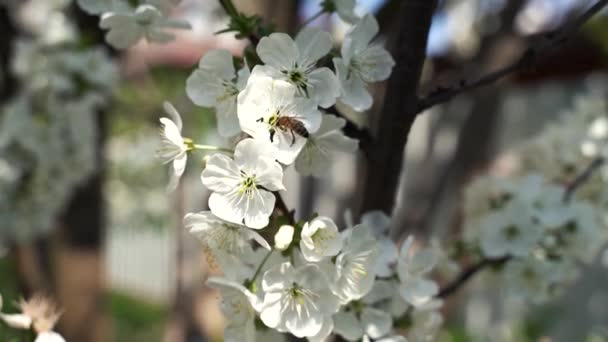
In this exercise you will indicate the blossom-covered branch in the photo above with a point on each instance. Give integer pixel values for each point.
(528, 58)
(468, 273)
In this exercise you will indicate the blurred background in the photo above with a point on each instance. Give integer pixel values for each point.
(120, 263)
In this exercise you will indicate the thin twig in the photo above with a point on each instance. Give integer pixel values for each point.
(583, 177)
(528, 58)
(468, 273)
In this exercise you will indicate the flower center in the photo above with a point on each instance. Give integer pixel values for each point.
(511, 232)
(321, 238)
(248, 185)
(230, 90)
(297, 76)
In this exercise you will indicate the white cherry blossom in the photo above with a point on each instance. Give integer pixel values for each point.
(239, 307)
(510, 231)
(426, 322)
(147, 21)
(294, 62)
(320, 239)
(242, 187)
(531, 279)
(173, 148)
(215, 84)
(361, 63)
(321, 147)
(380, 224)
(269, 110)
(353, 276)
(297, 300)
(219, 234)
(385, 295)
(413, 267)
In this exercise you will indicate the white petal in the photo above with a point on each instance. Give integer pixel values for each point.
(269, 174)
(359, 36)
(218, 62)
(227, 120)
(198, 222)
(278, 50)
(325, 87)
(347, 325)
(376, 323)
(259, 209)
(229, 207)
(418, 291)
(49, 336)
(174, 115)
(354, 90)
(313, 43)
(248, 152)
(178, 167)
(179, 164)
(203, 88)
(243, 77)
(380, 64)
(326, 329)
(303, 322)
(124, 31)
(356, 95)
(316, 156)
(346, 10)
(271, 315)
(171, 131)
(221, 174)
(240, 332)
(275, 278)
(17, 321)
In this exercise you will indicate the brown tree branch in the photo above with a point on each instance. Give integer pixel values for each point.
(583, 177)
(468, 273)
(529, 57)
(400, 105)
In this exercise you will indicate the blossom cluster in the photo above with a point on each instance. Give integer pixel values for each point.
(48, 129)
(316, 280)
(544, 221)
(313, 279)
(127, 24)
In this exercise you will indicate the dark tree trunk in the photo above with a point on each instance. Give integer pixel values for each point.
(399, 109)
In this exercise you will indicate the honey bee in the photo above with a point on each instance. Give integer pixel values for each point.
(288, 124)
(292, 125)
